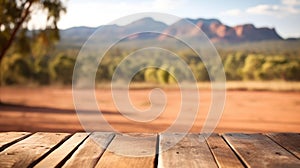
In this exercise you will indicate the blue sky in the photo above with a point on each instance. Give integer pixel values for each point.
(283, 15)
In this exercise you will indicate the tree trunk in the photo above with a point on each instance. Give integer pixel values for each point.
(15, 30)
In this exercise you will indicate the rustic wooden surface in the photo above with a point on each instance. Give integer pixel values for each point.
(90, 151)
(291, 142)
(257, 150)
(123, 149)
(56, 157)
(223, 154)
(28, 151)
(105, 149)
(8, 138)
(190, 151)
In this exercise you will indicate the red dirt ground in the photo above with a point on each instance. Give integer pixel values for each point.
(52, 109)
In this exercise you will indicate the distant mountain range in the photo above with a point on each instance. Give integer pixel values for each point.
(215, 30)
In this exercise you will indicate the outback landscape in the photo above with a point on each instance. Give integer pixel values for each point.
(151, 83)
(261, 67)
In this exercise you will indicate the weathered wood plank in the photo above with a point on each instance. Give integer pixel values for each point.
(191, 151)
(223, 154)
(59, 154)
(136, 150)
(25, 152)
(9, 138)
(257, 150)
(88, 154)
(290, 141)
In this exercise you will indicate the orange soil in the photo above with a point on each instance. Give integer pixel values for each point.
(52, 109)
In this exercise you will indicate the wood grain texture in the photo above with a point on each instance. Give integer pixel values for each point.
(132, 150)
(9, 138)
(59, 154)
(223, 154)
(191, 151)
(88, 154)
(25, 152)
(290, 141)
(258, 150)
(105, 149)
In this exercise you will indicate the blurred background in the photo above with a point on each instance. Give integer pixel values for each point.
(258, 42)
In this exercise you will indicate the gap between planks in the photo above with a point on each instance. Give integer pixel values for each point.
(9, 138)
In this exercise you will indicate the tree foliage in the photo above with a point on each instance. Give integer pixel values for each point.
(14, 19)
(61, 69)
(57, 67)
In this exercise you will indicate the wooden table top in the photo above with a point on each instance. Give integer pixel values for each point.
(102, 149)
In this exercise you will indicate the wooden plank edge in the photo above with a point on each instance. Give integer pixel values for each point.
(63, 151)
(279, 144)
(244, 163)
(51, 150)
(63, 161)
(201, 138)
(205, 136)
(157, 152)
(109, 153)
(3, 147)
(112, 138)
